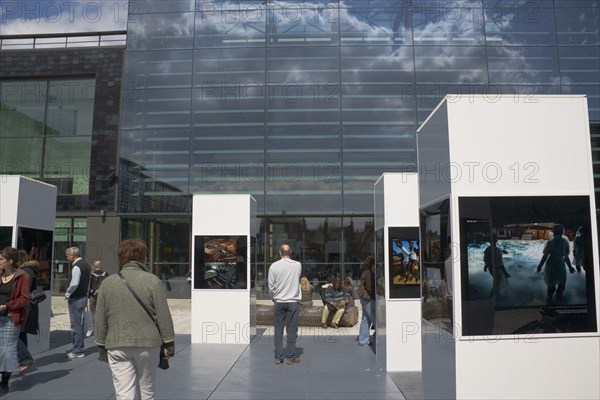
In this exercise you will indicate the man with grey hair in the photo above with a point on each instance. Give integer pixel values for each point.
(77, 297)
(284, 287)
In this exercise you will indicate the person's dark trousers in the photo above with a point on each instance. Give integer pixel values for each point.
(23, 353)
(286, 315)
(76, 308)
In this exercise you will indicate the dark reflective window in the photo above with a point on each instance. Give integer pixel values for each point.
(523, 65)
(294, 188)
(377, 64)
(578, 23)
(370, 24)
(302, 65)
(228, 104)
(243, 66)
(292, 24)
(306, 145)
(579, 65)
(156, 108)
(229, 24)
(447, 23)
(158, 69)
(519, 23)
(157, 149)
(364, 105)
(291, 104)
(450, 64)
(378, 146)
(239, 145)
(46, 131)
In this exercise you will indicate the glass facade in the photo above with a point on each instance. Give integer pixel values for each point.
(304, 105)
(46, 131)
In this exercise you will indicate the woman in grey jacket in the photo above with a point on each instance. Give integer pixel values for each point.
(128, 339)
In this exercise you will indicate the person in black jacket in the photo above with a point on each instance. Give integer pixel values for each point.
(32, 324)
(77, 296)
(98, 275)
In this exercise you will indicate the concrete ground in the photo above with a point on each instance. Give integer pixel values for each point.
(332, 366)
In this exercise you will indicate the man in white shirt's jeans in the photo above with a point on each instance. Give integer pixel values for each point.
(284, 287)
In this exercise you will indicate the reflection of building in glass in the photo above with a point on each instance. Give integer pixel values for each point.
(302, 105)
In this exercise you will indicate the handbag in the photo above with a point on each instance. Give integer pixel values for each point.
(163, 362)
(37, 296)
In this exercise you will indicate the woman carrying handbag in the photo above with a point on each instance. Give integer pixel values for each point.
(133, 324)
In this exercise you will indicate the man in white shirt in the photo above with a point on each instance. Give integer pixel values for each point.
(284, 287)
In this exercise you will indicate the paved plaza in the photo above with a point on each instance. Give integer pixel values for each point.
(333, 367)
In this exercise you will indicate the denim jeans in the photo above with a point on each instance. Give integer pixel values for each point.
(368, 316)
(286, 314)
(76, 308)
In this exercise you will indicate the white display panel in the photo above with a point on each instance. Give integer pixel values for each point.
(28, 215)
(398, 309)
(516, 170)
(223, 228)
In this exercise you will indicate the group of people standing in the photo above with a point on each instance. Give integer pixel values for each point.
(134, 300)
(289, 289)
(133, 327)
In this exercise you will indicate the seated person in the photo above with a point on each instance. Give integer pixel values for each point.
(307, 291)
(336, 299)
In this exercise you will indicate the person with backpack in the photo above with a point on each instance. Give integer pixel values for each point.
(98, 275)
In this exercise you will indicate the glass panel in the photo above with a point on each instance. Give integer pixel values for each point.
(229, 24)
(160, 31)
(304, 24)
(579, 65)
(157, 149)
(519, 23)
(157, 69)
(22, 108)
(450, 65)
(67, 159)
(437, 263)
(447, 23)
(6, 236)
(379, 147)
(152, 191)
(377, 64)
(70, 107)
(360, 242)
(523, 65)
(367, 105)
(21, 156)
(303, 146)
(171, 255)
(578, 24)
(228, 104)
(286, 66)
(315, 241)
(244, 66)
(213, 148)
(293, 188)
(159, 6)
(156, 109)
(370, 24)
(297, 104)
